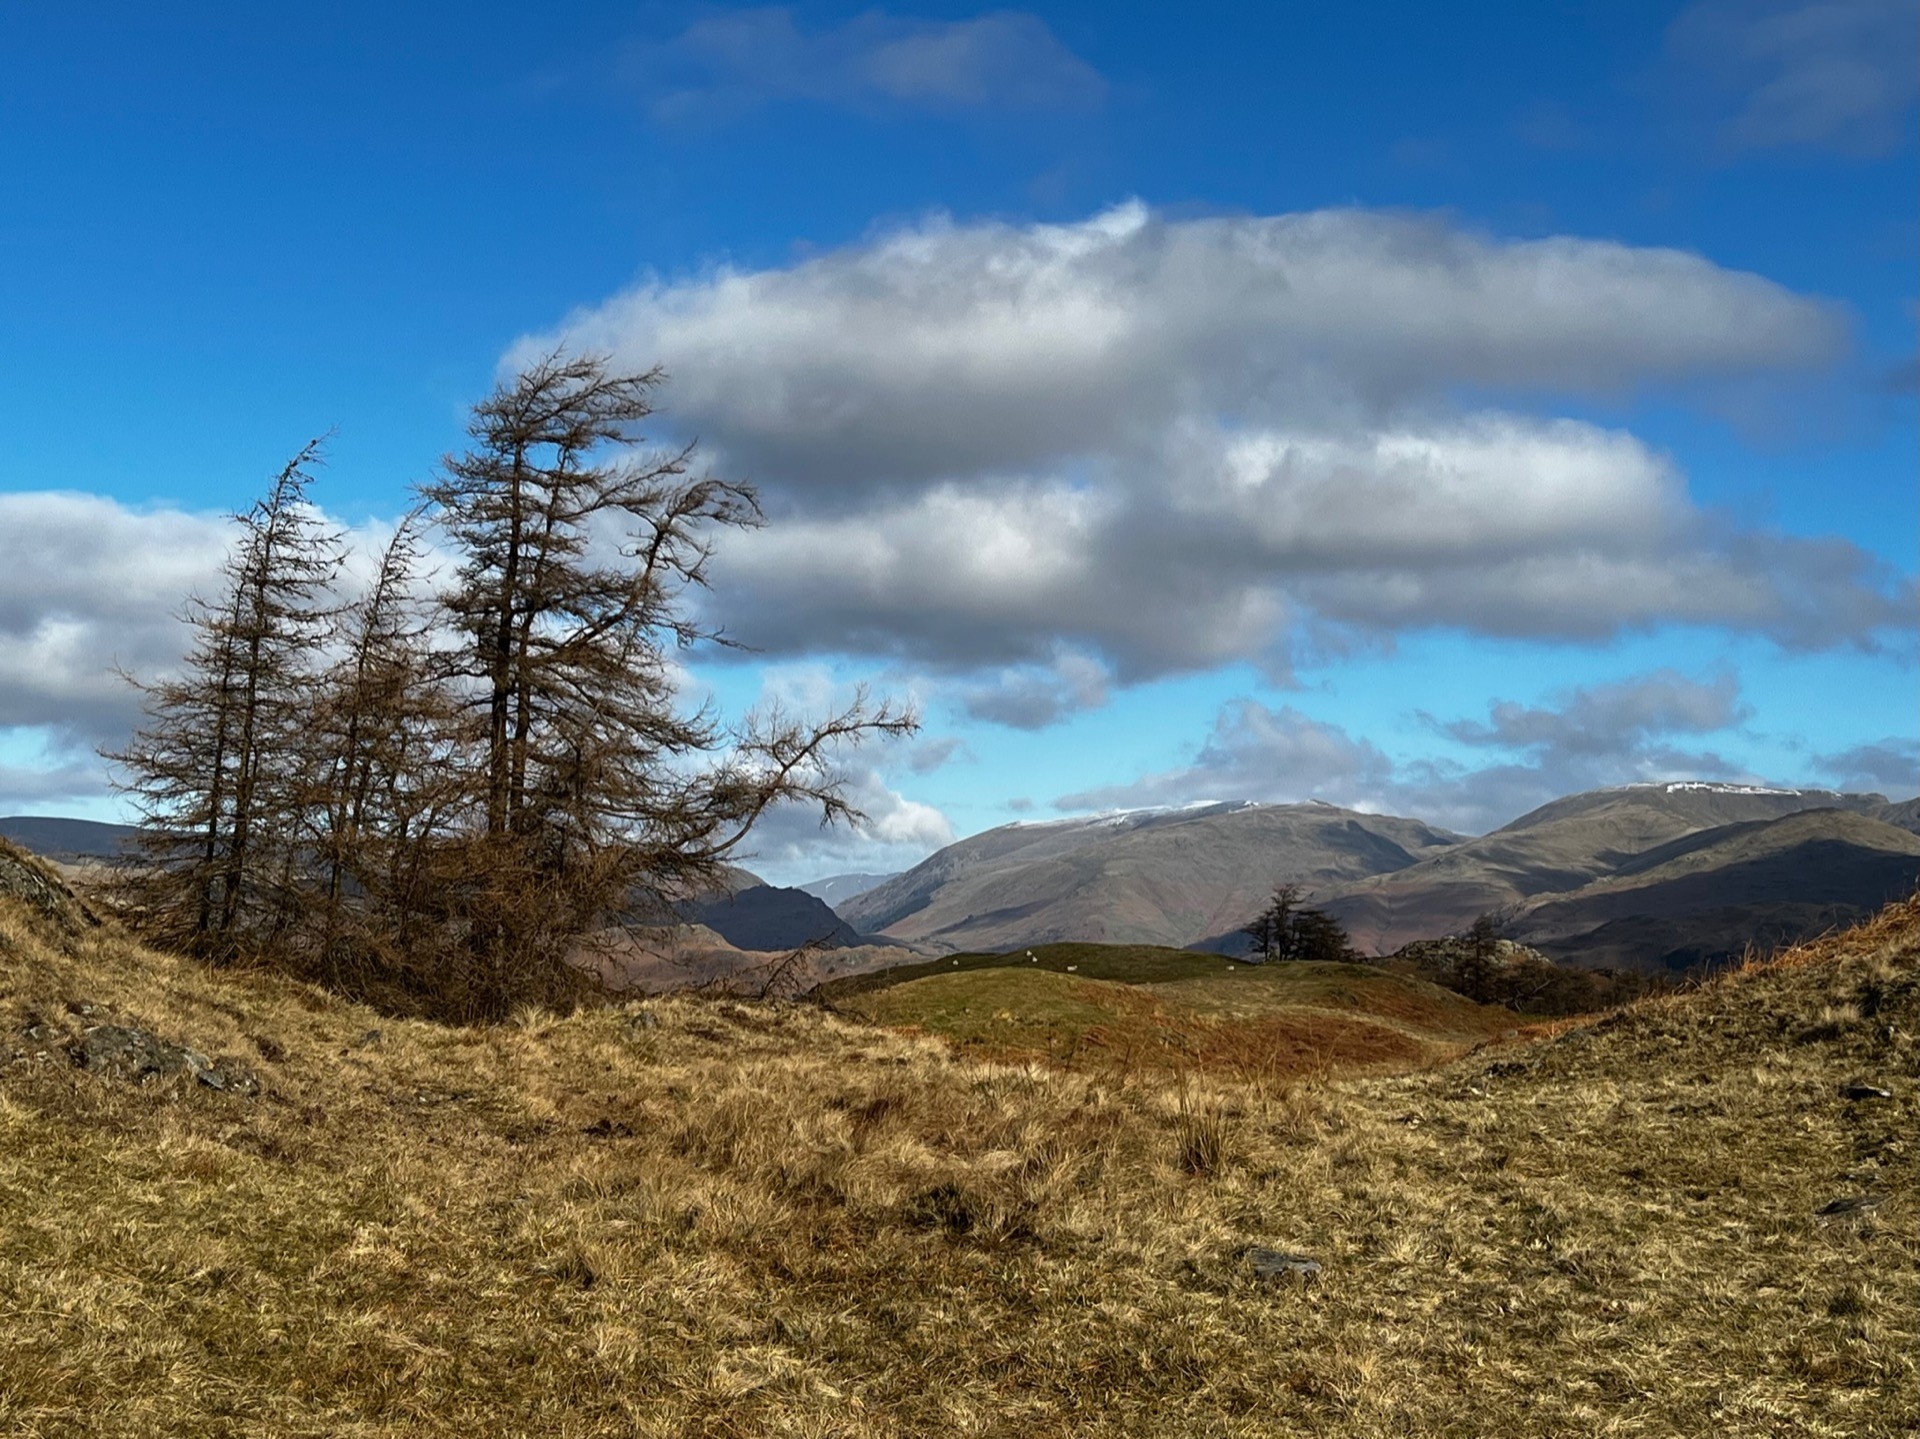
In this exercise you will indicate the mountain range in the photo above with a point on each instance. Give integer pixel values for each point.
(1655, 877)
(837, 889)
(1167, 877)
(1651, 876)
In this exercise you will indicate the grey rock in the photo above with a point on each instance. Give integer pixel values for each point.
(1278, 1263)
(23, 881)
(1854, 1204)
(1865, 1091)
(133, 1056)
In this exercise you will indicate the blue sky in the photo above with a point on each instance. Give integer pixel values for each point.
(1426, 407)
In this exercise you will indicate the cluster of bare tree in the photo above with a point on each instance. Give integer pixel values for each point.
(1287, 929)
(432, 796)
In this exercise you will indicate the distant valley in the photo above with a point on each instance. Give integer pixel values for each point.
(1654, 877)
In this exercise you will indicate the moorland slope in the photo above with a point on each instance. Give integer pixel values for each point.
(676, 1217)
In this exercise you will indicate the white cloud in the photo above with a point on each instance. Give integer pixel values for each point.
(1035, 696)
(1642, 728)
(1164, 445)
(790, 846)
(1608, 721)
(733, 61)
(90, 588)
(1833, 74)
(946, 351)
(87, 584)
(1255, 752)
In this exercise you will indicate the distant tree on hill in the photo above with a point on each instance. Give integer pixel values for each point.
(1286, 930)
(1318, 936)
(1481, 966)
(1479, 963)
(1271, 929)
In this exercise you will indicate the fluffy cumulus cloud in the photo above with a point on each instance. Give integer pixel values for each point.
(738, 60)
(1649, 727)
(93, 591)
(1034, 696)
(790, 846)
(1150, 445)
(1832, 74)
(1644, 728)
(1607, 721)
(89, 586)
(1254, 752)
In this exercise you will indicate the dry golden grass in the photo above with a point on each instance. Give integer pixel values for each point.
(705, 1218)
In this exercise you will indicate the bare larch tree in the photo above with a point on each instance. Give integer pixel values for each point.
(211, 774)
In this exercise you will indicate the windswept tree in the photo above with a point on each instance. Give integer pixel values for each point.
(456, 791)
(375, 782)
(212, 773)
(590, 790)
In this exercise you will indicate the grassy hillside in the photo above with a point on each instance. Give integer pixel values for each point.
(680, 1218)
(1709, 897)
(1108, 1006)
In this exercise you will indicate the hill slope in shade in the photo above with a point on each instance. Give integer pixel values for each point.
(693, 1217)
(1558, 848)
(66, 839)
(768, 917)
(1146, 877)
(1711, 896)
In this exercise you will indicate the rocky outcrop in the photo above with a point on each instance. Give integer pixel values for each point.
(26, 879)
(133, 1056)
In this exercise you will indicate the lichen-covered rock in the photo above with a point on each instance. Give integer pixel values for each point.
(1279, 1264)
(133, 1055)
(21, 879)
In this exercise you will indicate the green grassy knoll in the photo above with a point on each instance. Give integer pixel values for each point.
(1126, 963)
(1092, 1004)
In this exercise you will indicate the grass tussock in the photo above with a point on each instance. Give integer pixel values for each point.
(691, 1217)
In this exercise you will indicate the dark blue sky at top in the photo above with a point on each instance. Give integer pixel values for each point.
(225, 228)
(228, 225)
